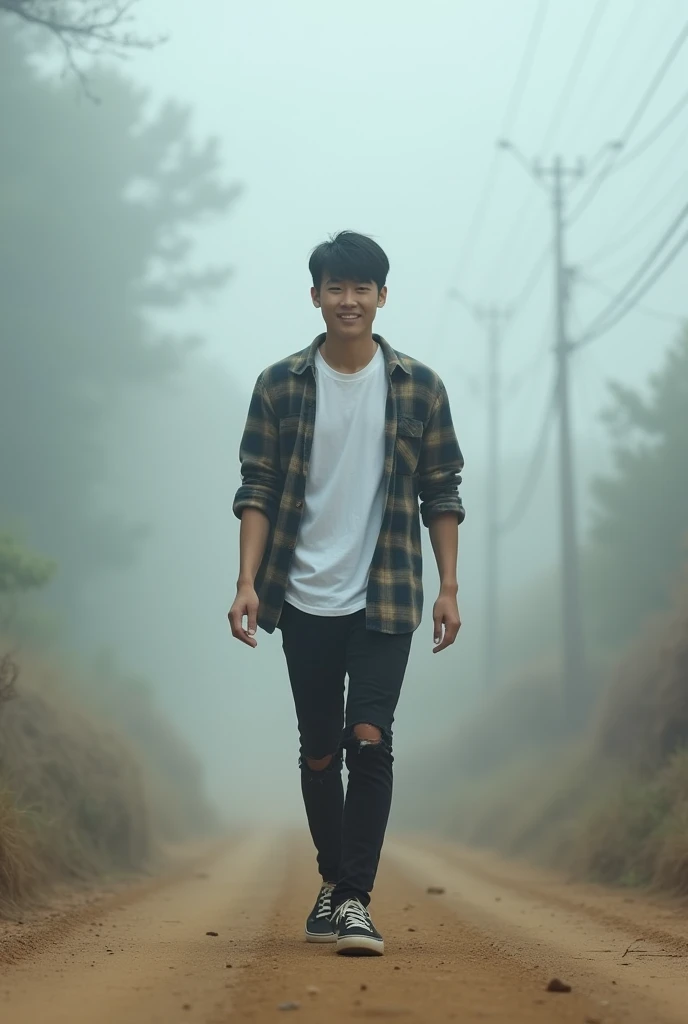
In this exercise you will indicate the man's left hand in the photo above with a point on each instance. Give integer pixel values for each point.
(446, 622)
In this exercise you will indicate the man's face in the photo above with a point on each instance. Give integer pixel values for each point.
(348, 307)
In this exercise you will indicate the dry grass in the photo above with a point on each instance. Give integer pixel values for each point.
(644, 714)
(77, 801)
(20, 868)
(71, 796)
(640, 837)
(610, 803)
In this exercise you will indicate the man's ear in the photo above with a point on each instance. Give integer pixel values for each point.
(382, 297)
(315, 296)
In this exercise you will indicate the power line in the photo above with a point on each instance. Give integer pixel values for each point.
(604, 289)
(661, 269)
(576, 69)
(534, 470)
(526, 65)
(518, 379)
(577, 65)
(540, 263)
(508, 121)
(645, 266)
(600, 255)
(632, 124)
(655, 83)
(601, 324)
(602, 80)
(655, 134)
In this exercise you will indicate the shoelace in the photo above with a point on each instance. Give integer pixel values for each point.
(325, 902)
(355, 915)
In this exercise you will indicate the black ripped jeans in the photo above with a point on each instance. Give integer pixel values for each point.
(348, 833)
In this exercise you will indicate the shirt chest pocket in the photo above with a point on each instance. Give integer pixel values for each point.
(408, 445)
(288, 431)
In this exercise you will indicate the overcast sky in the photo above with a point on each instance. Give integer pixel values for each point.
(383, 117)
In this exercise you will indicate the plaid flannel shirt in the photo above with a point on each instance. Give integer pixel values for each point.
(422, 461)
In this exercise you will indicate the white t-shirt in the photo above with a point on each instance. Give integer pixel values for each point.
(344, 500)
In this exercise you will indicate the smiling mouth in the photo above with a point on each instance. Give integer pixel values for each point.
(349, 316)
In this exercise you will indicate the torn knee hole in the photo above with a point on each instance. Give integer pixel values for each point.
(367, 735)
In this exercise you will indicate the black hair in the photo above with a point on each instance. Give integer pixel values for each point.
(349, 256)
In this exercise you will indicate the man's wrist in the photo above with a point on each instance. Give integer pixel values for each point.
(246, 581)
(449, 588)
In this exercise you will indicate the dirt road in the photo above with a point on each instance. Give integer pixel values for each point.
(484, 949)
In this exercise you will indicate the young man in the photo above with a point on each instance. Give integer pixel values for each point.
(341, 442)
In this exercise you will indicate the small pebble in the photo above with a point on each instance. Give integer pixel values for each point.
(289, 1006)
(214, 934)
(364, 988)
(186, 1006)
(556, 985)
(313, 990)
(436, 890)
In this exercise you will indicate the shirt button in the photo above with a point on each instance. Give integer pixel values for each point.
(299, 504)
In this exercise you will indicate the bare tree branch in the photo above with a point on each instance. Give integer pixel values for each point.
(90, 27)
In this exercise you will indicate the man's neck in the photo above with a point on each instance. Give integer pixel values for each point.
(348, 355)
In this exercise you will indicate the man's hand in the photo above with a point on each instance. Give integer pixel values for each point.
(446, 622)
(245, 607)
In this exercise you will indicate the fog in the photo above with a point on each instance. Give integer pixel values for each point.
(382, 117)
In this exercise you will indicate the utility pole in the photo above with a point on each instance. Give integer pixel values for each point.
(574, 661)
(494, 318)
(572, 621)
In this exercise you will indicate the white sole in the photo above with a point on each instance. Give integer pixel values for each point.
(359, 945)
(320, 939)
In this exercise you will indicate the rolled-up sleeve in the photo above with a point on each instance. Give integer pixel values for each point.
(440, 464)
(261, 478)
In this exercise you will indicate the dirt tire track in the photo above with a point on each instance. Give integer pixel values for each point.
(579, 930)
(153, 960)
(657, 917)
(484, 949)
(46, 925)
(437, 968)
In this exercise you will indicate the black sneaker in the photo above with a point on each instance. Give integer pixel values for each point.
(356, 934)
(319, 924)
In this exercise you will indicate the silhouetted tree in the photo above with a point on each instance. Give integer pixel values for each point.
(640, 530)
(97, 214)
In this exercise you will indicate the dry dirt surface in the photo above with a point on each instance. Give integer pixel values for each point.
(222, 942)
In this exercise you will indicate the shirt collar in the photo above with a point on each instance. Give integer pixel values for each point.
(393, 359)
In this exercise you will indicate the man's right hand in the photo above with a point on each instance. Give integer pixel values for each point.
(245, 607)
